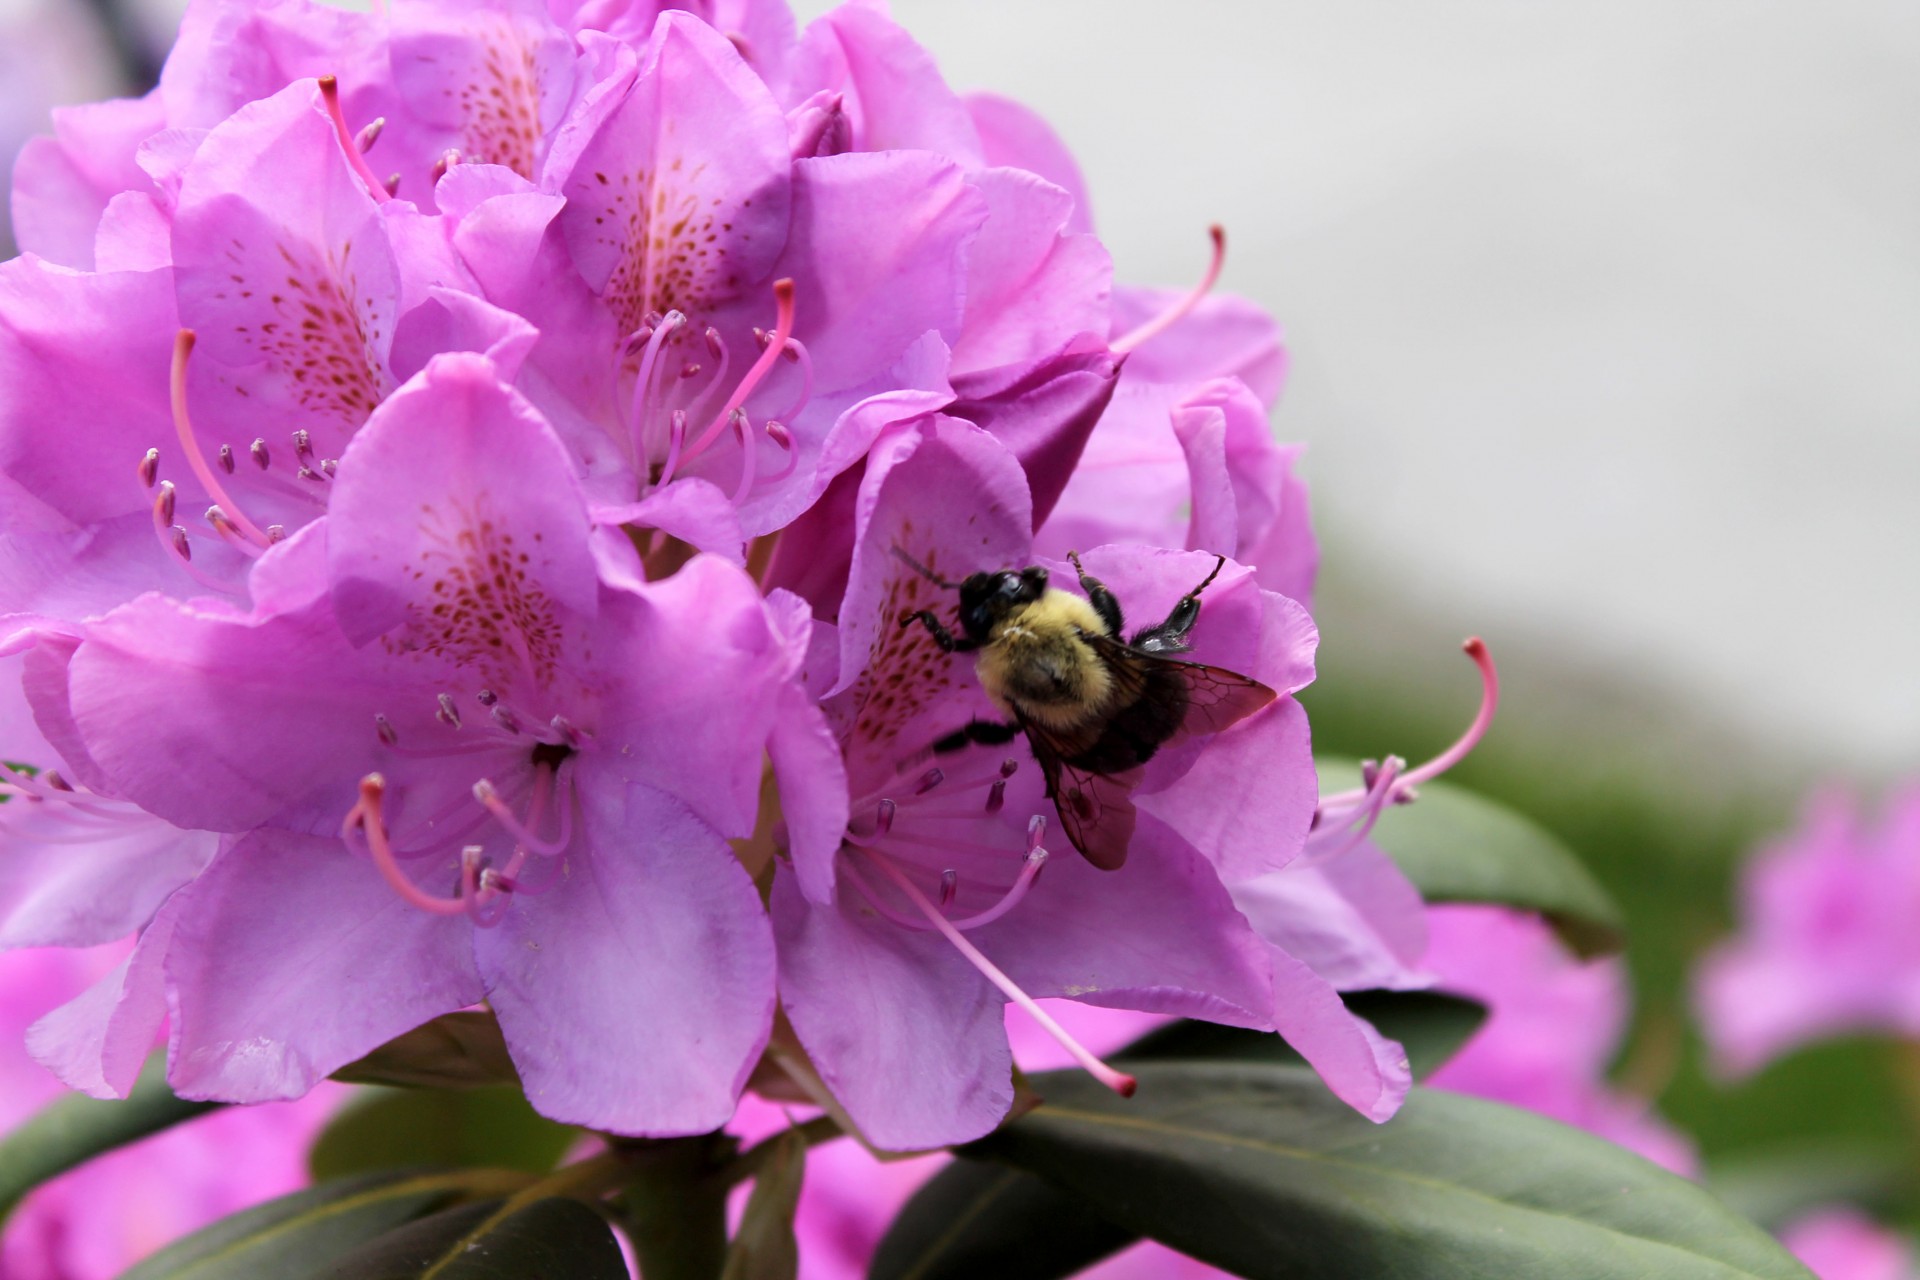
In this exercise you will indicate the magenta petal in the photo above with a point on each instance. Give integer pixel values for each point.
(496, 495)
(1160, 935)
(813, 789)
(1032, 285)
(1249, 799)
(98, 1041)
(1364, 1069)
(890, 87)
(1354, 919)
(290, 958)
(1223, 337)
(1015, 135)
(1045, 415)
(637, 993)
(691, 509)
(876, 254)
(62, 184)
(77, 880)
(908, 1036)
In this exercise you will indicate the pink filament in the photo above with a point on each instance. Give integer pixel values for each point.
(330, 93)
(1131, 342)
(1118, 1081)
(1489, 703)
(782, 330)
(183, 426)
(366, 816)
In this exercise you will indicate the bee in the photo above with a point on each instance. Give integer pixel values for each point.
(1095, 707)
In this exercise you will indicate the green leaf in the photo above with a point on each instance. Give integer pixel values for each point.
(1460, 847)
(553, 1238)
(1259, 1170)
(764, 1248)
(1431, 1025)
(454, 1051)
(977, 1219)
(286, 1239)
(77, 1128)
(1776, 1185)
(469, 1128)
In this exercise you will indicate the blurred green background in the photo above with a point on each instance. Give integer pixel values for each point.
(1662, 804)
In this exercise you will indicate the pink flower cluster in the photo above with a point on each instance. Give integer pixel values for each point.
(466, 467)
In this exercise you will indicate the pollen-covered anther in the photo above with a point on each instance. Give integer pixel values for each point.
(149, 468)
(447, 713)
(164, 503)
(261, 457)
(448, 158)
(487, 698)
(928, 781)
(384, 728)
(569, 733)
(364, 140)
(226, 458)
(505, 718)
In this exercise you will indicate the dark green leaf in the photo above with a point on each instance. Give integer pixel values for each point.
(974, 1219)
(468, 1128)
(1460, 847)
(288, 1238)
(978, 1219)
(551, 1239)
(76, 1128)
(764, 1247)
(1257, 1169)
(1431, 1025)
(454, 1051)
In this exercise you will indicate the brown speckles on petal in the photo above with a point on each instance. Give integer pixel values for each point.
(908, 670)
(324, 337)
(501, 105)
(487, 611)
(668, 258)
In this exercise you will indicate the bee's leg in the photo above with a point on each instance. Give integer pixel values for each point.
(1171, 636)
(986, 733)
(938, 630)
(1104, 602)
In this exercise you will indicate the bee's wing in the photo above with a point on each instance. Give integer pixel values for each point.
(1096, 810)
(1217, 699)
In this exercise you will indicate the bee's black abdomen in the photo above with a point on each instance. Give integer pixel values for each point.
(1131, 737)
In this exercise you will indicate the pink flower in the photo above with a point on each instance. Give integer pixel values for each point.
(1844, 1244)
(1553, 1024)
(898, 1001)
(96, 1221)
(1826, 946)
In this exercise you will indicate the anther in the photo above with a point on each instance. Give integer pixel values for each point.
(715, 347)
(928, 781)
(689, 371)
(883, 817)
(487, 698)
(164, 503)
(181, 547)
(506, 720)
(303, 446)
(568, 734)
(364, 140)
(392, 185)
(53, 779)
(1036, 832)
(1009, 767)
(261, 458)
(949, 887)
(226, 458)
(447, 160)
(448, 714)
(638, 341)
(149, 468)
(384, 727)
(778, 433)
(329, 467)
(997, 796)
(276, 533)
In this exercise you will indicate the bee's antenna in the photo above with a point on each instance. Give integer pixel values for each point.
(1219, 563)
(900, 554)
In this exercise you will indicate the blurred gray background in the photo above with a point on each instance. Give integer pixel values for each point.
(1605, 317)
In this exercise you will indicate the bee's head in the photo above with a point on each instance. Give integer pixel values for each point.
(987, 598)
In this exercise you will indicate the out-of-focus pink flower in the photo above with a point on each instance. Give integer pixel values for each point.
(1845, 1244)
(1826, 943)
(96, 1221)
(1552, 1024)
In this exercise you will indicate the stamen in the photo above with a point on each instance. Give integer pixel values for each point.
(676, 436)
(330, 94)
(1402, 791)
(505, 718)
(928, 781)
(749, 458)
(230, 535)
(667, 326)
(364, 140)
(303, 446)
(448, 714)
(1118, 1081)
(226, 458)
(949, 887)
(484, 792)
(568, 733)
(149, 468)
(487, 698)
(448, 158)
(1153, 328)
(718, 349)
(384, 727)
(182, 348)
(392, 185)
(778, 433)
(1381, 793)
(366, 816)
(782, 330)
(261, 458)
(883, 817)
(796, 353)
(164, 503)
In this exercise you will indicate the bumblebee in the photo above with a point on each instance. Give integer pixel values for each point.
(1095, 707)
